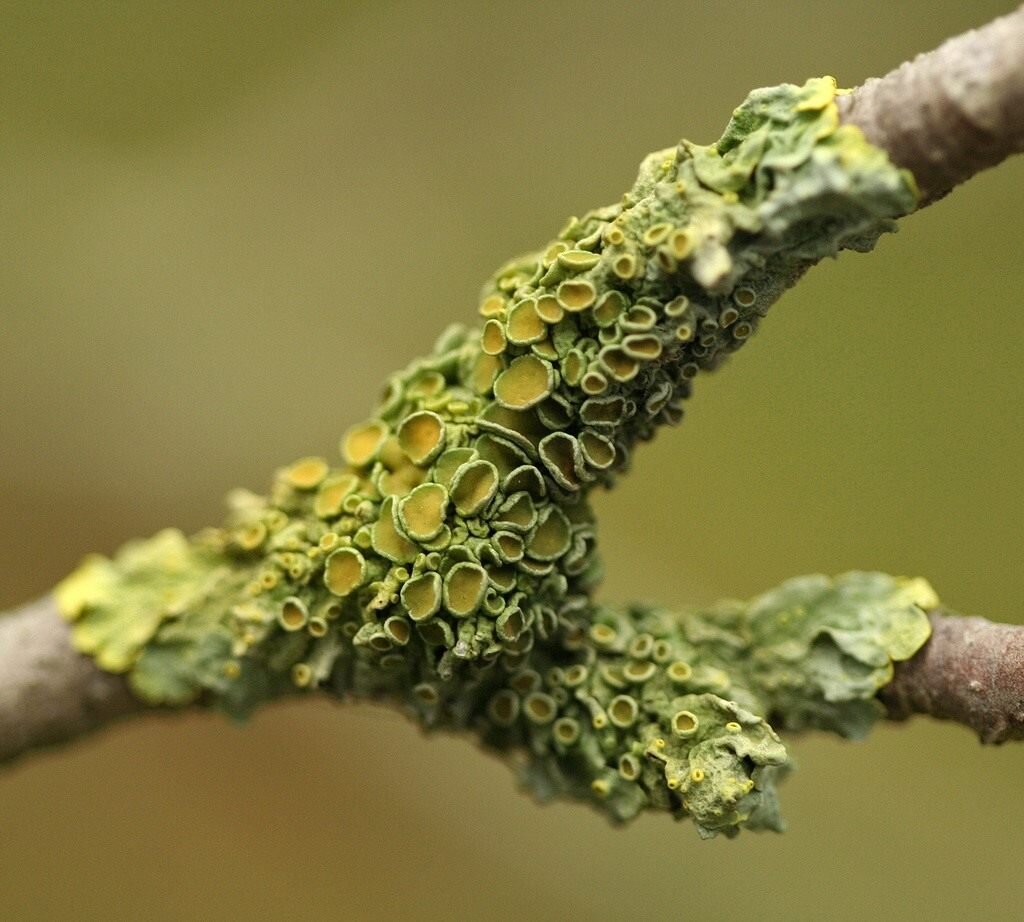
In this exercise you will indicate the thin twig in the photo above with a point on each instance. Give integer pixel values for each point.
(50, 693)
(952, 112)
(971, 671)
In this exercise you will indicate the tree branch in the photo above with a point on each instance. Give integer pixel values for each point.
(49, 692)
(952, 112)
(944, 116)
(971, 671)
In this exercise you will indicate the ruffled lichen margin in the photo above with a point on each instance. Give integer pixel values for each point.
(449, 565)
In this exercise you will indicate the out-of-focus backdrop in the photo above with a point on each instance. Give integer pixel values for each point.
(223, 224)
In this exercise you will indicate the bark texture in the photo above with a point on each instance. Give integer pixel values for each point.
(49, 692)
(971, 671)
(952, 112)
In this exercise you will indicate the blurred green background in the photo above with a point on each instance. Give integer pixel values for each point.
(223, 224)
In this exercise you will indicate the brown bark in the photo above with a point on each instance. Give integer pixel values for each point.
(50, 693)
(952, 112)
(971, 671)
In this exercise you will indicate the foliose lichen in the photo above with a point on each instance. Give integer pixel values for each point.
(449, 563)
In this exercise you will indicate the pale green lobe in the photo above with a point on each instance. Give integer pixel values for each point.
(126, 601)
(835, 642)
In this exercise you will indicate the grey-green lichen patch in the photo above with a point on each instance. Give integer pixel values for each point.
(823, 648)
(449, 564)
(686, 701)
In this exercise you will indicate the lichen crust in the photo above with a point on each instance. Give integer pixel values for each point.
(449, 563)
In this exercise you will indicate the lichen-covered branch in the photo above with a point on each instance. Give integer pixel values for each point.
(449, 563)
(952, 112)
(49, 692)
(641, 707)
(971, 671)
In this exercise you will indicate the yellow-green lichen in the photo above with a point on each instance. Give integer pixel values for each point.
(449, 563)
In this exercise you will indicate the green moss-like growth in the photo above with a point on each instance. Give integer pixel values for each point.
(449, 565)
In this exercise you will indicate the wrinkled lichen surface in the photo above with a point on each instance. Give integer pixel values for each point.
(448, 565)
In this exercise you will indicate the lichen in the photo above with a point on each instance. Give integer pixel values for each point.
(449, 564)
